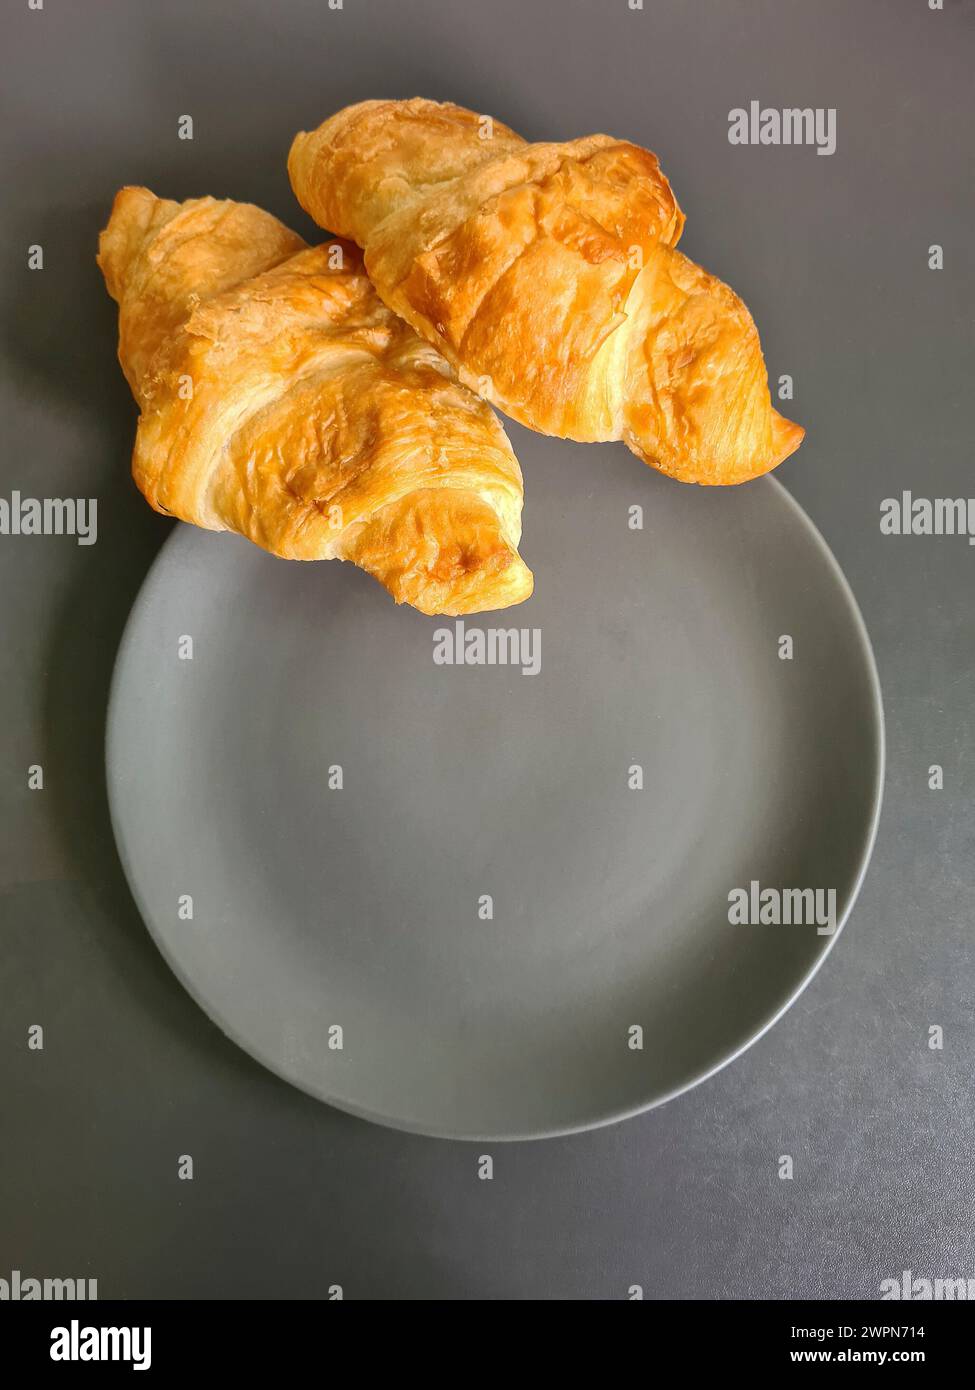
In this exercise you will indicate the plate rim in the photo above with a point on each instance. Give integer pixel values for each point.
(617, 1116)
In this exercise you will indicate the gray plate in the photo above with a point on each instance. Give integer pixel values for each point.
(317, 908)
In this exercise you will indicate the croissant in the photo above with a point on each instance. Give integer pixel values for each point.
(282, 400)
(547, 275)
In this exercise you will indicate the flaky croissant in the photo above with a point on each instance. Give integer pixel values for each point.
(282, 400)
(546, 273)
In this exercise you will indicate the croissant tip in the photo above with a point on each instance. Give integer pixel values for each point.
(511, 586)
(786, 438)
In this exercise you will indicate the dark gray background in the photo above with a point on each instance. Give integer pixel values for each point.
(831, 256)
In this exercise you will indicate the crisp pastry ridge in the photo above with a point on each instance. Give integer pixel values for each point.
(282, 400)
(548, 275)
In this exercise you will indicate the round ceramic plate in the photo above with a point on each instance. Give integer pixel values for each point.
(505, 898)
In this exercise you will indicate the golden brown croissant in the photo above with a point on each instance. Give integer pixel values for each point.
(546, 273)
(281, 399)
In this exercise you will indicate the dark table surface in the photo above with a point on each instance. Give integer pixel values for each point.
(832, 256)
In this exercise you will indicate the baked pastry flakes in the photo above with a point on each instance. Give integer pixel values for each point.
(282, 400)
(547, 275)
